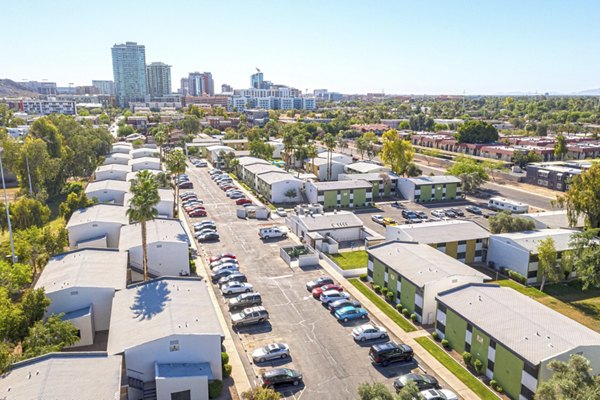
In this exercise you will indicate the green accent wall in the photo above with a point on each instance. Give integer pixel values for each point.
(456, 329)
(479, 349)
(387, 189)
(392, 281)
(452, 249)
(470, 252)
(425, 192)
(378, 272)
(407, 295)
(360, 197)
(345, 198)
(439, 192)
(507, 371)
(375, 189)
(450, 191)
(330, 198)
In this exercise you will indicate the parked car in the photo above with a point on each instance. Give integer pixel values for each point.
(215, 276)
(435, 394)
(242, 201)
(317, 292)
(410, 215)
(335, 305)
(389, 222)
(273, 232)
(323, 280)
(236, 277)
(489, 214)
(230, 266)
(423, 381)
(438, 213)
(219, 256)
(450, 214)
(201, 164)
(223, 261)
(369, 332)
(348, 313)
(378, 218)
(281, 212)
(210, 236)
(237, 196)
(250, 316)
(390, 352)
(413, 219)
(245, 300)
(272, 351)
(280, 376)
(457, 211)
(205, 226)
(197, 213)
(185, 185)
(333, 295)
(474, 210)
(422, 215)
(236, 288)
(204, 231)
(183, 194)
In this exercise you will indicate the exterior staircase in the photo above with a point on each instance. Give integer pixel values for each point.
(149, 390)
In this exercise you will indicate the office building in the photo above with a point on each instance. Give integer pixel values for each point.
(201, 84)
(47, 107)
(256, 80)
(184, 87)
(225, 88)
(46, 88)
(104, 87)
(129, 70)
(159, 79)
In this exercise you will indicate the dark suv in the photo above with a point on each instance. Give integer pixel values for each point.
(280, 376)
(423, 381)
(245, 300)
(390, 352)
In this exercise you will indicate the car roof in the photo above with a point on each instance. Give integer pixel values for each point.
(346, 309)
(331, 292)
(385, 346)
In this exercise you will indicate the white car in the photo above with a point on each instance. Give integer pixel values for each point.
(281, 212)
(333, 295)
(223, 261)
(229, 267)
(369, 332)
(439, 213)
(438, 394)
(272, 351)
(236, 287)
(378, 218)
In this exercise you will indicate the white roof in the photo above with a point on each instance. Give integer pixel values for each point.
(441, 231)
(251, 160)
(99, 213)
(329, 221)
(142, 160)
(160, 308)
(318, 161)
(219, 147)
(143, 150)
(157, 230)
(133, 175)
(434, 180)
(53, 376)
(262, 168)
(420, 263)
(114, 167)
(118, 155)
(553, 219)
(277, 176)
(84, 268)
(367, 176)
(166, 195)
(525, 326)
(366, 167)
(108, 184)
(529, 240)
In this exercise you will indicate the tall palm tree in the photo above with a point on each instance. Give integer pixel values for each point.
(311, 152)
(330, 143)
(176, 163)
(142, 208)
(161, 136)
(288, 147)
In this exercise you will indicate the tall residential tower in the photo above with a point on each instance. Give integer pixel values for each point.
(159, 79)
(201, 84)
(129, 70)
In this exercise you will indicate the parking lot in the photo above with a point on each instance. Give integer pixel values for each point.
(332, 364)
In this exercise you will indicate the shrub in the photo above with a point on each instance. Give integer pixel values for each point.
(405, 312)
(377, 289)
(467, 357)
(192, 266)
(478, 365)
(413, 317)
(515, 276)
(214, 389)
(493, 383)
(435, 336)
(226, 370)
(224, 358)
(364, 277)
(384, 291)
(399, 307)
(446, 343)
(390, 296)
(499, 389)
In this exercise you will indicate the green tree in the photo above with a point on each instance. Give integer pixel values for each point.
(466, 165)
(73, 202)
(50, 336)
(396, 152)
(259, 393)
(27, 212)
(34, 304)
(470, 182)
(374, 391)
(14, 277)
(190, 125)
(291, 194)
(521, 158)
(176, 163)
(475, 131)
(125, 130)
(370, 139)
(412, 170)
(142, 208)
(583, 197)
(104, 119)
(504, 222)
(548, 264)
(288, 147)
(161, 137)
(330, 142)
(6, 356)
(409, 392)
(560, 147)
(570, 380)
(43, 128)
(585, 257)
(361, 145)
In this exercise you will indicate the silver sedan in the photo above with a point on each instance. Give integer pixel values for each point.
(272, 351)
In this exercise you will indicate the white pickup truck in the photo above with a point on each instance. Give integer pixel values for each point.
(272, 232)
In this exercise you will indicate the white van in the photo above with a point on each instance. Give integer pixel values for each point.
(503, 204)
(272, 232)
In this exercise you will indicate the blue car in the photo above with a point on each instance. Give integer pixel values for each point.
(345, 314)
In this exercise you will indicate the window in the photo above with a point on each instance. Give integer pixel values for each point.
(531, 369)
(531, 274)
(183, 395)
(461, 242)
(478, 253)
(490, 365)
(442, 307)
(461, 255)
(174, 345)
(467, 347)
(469, 327)
(533, 258)
(492, 343)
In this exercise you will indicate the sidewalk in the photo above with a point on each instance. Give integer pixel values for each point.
(238, 373)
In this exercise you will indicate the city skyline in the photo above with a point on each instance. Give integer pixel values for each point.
(395, 47)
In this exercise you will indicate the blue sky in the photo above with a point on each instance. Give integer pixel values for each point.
(411, 47)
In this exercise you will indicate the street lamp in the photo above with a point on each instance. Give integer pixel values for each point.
(27, 164)
(10, 233)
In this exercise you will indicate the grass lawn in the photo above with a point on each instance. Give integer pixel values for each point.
(384, 306)
(580, 305)
(350, 259)
(478, 387)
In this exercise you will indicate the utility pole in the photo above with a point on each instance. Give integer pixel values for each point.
(10, 233)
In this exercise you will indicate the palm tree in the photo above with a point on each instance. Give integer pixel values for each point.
(311, 152)
(161, 137)
(176, 163)
(142, 207)
(330, 143)
(288, 147)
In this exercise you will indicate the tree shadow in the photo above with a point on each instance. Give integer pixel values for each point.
(150, 300)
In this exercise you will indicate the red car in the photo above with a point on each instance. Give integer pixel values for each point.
(317, 292)
(197, 213)
(242, 201)
(226, 188)
(218, 257)
(195, 207)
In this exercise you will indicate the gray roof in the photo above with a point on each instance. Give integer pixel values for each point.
(328, 221)
(160, 308)
(133, 175)
(85, 268)
(553, 219)
(114, 167)
(441, 231)
(529, 240)
(108, 184)
(372, 176)
(219, 147)
(85, 376)
(142, 160)
(99, 213)
(431, 180)
(143, 150)
(251, 160)
(420, 263)
(165, 195)
(322, 161)
(277, 176)
(157, 230)
(119, 155)
(525, 326)
(262, 168)
(342, 185)
(365, 167)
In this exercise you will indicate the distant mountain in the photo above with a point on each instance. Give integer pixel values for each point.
(590, 92)
(9, 88)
